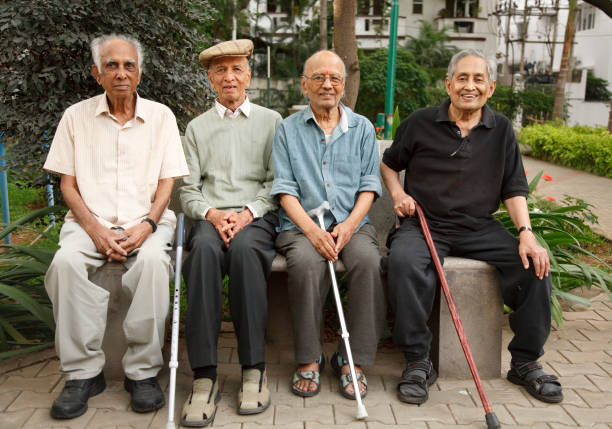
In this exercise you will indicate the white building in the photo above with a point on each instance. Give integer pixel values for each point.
(470, 23)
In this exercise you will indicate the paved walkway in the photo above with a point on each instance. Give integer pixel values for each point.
(580, 354)
(593, 189)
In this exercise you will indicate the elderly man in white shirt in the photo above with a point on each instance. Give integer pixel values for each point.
(117, 155)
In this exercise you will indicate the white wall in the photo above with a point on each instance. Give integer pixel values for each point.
(593, 113)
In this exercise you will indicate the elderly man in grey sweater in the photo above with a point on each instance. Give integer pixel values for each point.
(227, 194)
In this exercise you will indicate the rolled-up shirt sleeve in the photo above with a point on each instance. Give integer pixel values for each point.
(284, 180)
(60, 159)
(370, 166)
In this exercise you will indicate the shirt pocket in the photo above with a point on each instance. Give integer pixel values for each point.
(347, 171)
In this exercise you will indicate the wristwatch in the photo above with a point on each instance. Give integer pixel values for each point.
(150, 222)
(524, 228)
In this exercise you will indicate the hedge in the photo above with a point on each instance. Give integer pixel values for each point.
(581, 147)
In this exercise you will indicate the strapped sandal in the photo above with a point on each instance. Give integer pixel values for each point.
(200, 407)
(254, 395)
(540, 385)
(308, 375)
(337, 362)
(413, 388)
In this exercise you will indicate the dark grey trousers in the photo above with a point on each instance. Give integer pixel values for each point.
(308, 286)
(247, 263)
(412, 281)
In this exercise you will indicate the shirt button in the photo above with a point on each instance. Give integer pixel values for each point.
(324, 162)
(323, 139)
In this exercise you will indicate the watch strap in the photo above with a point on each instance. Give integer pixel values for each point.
(524, 228)
(150, 222)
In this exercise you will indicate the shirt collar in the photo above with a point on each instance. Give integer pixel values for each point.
(103, 107)
(223, 111)
(488, 117)
(344, 116)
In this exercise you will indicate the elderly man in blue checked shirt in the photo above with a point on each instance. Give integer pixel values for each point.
(328, 153)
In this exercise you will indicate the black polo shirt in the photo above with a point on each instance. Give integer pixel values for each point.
(459, 182)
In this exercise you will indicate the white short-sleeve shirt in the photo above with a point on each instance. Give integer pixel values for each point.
(116, 166)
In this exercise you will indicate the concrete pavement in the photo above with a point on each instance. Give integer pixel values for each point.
(580, 354)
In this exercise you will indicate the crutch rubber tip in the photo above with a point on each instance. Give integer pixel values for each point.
(492, 422)
(361, 412)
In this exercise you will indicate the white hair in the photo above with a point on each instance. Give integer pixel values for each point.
(97, 43)
(470, 53)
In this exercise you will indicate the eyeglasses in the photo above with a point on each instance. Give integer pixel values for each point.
(320, 78)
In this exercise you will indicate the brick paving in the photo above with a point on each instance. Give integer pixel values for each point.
(580, 354)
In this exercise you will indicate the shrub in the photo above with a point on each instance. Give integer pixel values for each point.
(581, 147)
(596, 89)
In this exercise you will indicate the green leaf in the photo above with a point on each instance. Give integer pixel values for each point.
(18, 352)
(396, 122)
(41, 312)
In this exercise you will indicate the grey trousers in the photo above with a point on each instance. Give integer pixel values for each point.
(308, 286)
(247, 262)
(80, 306)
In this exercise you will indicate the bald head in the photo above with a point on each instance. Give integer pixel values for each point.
(321, 59)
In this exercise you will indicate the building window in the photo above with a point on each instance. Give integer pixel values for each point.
(363, 7)
(417, 7)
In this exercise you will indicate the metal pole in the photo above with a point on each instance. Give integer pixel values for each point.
(391, 69)
(6, 216)
(268, 82)
(49, 186)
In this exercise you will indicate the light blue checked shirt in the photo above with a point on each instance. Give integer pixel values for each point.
(313, 171)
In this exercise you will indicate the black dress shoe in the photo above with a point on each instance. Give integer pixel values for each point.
(72, 402)
(146, 394)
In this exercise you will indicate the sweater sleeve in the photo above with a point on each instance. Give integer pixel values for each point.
(193, 201)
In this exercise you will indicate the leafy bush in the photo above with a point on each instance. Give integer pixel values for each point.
(581, 147)
(26, 317)
(562, 231)
(596, 88)
(535, 103)
(411, 83)
(45, 64)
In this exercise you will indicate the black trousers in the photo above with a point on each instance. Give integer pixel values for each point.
(413, 280)
(247, 263)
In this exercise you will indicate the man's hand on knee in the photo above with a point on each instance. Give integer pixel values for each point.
(107, 242)
(342, 233)
(323, 242)
(135, 236)
(529, 247)
(217, 218)
(236, 222)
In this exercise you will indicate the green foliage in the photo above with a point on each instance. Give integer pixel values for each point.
(411, 83)
(45, 63)
(581, 147)
(26, 315)
(562, 231)
(596, 88)
(431, 50)
(535, 103)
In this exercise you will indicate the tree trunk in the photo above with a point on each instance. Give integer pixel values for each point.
(345, 45)
(570, 29)
(323, 25)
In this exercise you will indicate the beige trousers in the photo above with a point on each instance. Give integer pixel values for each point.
(80, 306)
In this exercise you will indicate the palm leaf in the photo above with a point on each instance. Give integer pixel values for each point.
(41, 312)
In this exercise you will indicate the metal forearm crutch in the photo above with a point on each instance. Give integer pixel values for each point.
(361, 411)
(173, 365)
(490, 417)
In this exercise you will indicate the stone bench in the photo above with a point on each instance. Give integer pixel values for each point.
(482, 317)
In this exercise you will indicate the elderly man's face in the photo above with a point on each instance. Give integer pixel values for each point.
(230, 77)
(120, 74)
(470, 87)
(324, 81)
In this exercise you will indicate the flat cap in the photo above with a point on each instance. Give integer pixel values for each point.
(231, 48)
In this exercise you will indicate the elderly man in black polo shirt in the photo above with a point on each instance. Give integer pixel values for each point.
(461, 160)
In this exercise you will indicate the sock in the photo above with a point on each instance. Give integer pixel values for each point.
(206, 372)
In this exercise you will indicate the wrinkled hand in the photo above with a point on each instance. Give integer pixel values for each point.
(107, 242)
(323, 242)
(217, 218)
(236, 221)
(529, 247)
(403, 204)
(342, 232)
(136, 235)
